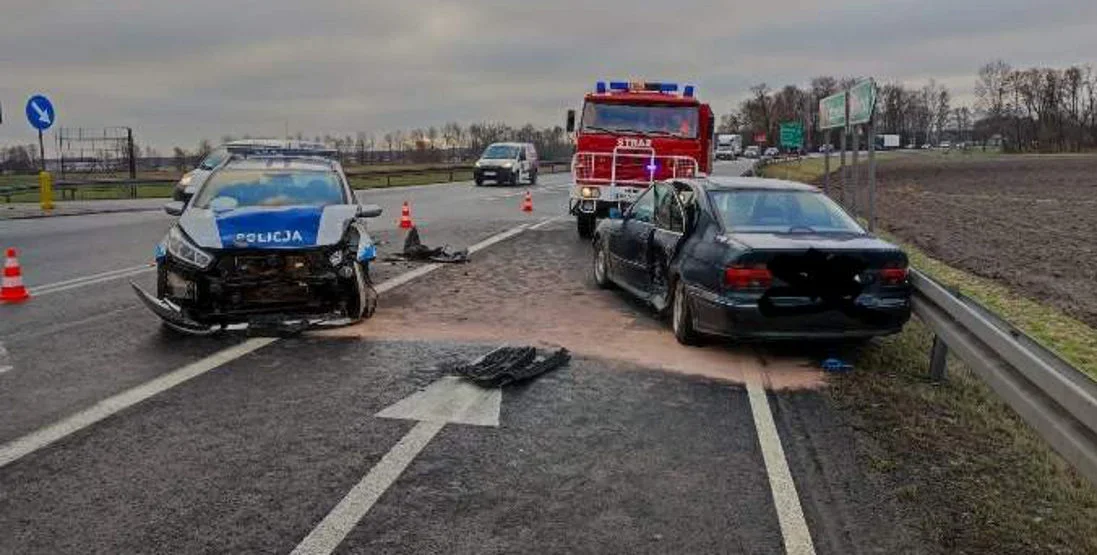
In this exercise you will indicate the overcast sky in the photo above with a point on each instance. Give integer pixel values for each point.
(180, 71)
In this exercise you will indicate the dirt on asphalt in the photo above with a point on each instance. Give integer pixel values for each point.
(1027, 221)
(537, 289)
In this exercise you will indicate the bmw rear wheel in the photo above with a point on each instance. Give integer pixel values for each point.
(681, 318)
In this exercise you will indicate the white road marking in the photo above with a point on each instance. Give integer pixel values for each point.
(546, 222)
(5, 360)
(345, 516)
(36, 440)
(449, 399)
(25, 445)
(90, 280)
(790, 515)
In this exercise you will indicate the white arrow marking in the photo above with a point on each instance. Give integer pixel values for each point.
(447, 400)
(43, 116)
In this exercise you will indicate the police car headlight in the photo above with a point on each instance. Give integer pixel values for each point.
(187, 252)
(590, 192)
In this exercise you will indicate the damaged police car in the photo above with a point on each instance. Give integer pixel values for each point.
(268, 239)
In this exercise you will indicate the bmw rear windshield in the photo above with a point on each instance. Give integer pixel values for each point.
(242, 188)
(779, 211)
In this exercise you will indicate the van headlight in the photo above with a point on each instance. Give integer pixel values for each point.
(508, 165)
(185, 251)
(187, 178)
(477, 164)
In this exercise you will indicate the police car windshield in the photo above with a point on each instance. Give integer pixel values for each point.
(231, 189)
(500, 152)
(679, 121)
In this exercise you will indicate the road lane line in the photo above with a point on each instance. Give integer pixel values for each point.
(790, 515)
(34, 441)
(89, 280)
(25, 445)
(360, 499)
(448, 400)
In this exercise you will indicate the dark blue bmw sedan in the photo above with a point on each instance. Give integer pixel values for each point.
(752, 258)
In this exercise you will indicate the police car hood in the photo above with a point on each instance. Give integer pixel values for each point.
(260, 227)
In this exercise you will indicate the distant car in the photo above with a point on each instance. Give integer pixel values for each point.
(751, 152)
(912, 146)
(752, 258)
(269, 239)
(510, 163)
(771, 152)
(946, 144)
(927, 146)
(826, 148)
(194, 179)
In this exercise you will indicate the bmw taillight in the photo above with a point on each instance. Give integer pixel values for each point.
(745, 277)
(894, 274)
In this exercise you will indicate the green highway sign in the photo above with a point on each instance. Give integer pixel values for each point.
(792, 134)
(832, 111)
(862, 100)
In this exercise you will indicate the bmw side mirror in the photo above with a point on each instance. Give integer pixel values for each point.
(369, 211)
(571, 121)
(174, 208)
(615, 213)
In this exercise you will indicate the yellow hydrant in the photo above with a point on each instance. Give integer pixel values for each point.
(45, 190)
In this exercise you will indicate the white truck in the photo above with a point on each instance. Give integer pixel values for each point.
(887, 142)
(728, 146)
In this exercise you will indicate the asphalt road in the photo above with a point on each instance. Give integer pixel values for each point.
(141, 442)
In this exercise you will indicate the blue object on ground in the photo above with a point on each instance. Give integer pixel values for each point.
(836, 365)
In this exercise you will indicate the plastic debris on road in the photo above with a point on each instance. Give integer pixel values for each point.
(507, 365)
(414, 249)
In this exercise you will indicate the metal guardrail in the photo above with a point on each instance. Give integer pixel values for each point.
(68, 187)
(1056, 399)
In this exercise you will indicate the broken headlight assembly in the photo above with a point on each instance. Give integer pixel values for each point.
(183, 250)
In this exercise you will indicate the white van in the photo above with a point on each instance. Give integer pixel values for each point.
(507, 163)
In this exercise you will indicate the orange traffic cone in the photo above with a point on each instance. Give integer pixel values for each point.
(405, 216)
(11, 285)
(527, 203)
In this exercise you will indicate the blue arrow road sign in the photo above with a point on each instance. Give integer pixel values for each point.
(40, 112)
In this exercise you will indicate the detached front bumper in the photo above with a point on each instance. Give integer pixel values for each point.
(171, 313)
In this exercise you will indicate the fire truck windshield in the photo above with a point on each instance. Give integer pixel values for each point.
(647, 119)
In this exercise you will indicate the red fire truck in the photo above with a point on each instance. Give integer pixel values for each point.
(630, 135)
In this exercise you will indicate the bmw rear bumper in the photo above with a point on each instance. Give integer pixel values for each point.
(870, 316)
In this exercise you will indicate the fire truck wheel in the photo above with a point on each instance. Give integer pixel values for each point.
(585, 225)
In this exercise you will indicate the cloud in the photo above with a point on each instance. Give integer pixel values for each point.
(181, 71)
